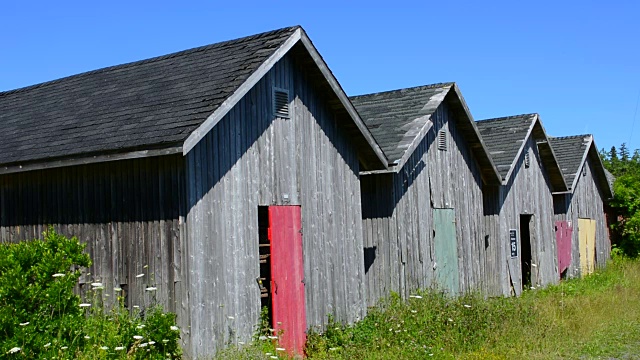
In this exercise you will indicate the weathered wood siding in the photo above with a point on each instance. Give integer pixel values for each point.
(528, 192)
(398, 217)
(585, 202)
(127, 212)
(252, 159)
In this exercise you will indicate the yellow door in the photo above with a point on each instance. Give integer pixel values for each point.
(587, 237)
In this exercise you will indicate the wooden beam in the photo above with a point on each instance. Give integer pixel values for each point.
(84, 160)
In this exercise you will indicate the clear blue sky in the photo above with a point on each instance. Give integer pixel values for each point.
(577, 63)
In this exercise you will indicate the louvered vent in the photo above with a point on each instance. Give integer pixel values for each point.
(442, 140)
(281, 103)
(527, 159)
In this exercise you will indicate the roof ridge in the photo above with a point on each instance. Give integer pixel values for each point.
(508, 117)
(149, 60)
(570, 136)
(421, 87)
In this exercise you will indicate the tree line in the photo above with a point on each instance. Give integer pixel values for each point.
(625, 205)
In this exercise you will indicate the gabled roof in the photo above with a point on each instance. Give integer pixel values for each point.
(572, 152)
(506, 138)
(400, 119)
(167, 102)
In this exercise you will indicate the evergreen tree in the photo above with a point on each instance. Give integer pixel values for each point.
(624, 152)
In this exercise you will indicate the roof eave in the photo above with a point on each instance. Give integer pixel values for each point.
(298, 36)
(491, 176)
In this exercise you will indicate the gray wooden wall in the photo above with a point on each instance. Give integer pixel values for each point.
(586, 202)
(398, 217)
(127, 212)
(251, 159)
(527, 192)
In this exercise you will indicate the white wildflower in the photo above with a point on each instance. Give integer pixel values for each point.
(136, 306)
(240, 342)
(64, 348)
(151, 288)
(47, 345)
(139, 275)
(414, 311)
(272, 337)
(262, 338)
(280, 349)
(268, 354)
(467, 306)
(146, 266)
(533, 288)
(450, 320)
(14, 350)
(333, 349)
(174, 328)
(96, 284)
(84, 305)
(118, 348)
(104, 348)
(24, 323)
(117, 289)
(58, 275)
(151, 342)
(165, 341)
(137, 337)
(142, 345)
(415, 296)
(141, 326)
(273, 357)
(87, 337)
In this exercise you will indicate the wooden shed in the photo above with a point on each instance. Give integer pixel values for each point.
(580, 213)
(225, 176)
(423, 217)
(519, 213)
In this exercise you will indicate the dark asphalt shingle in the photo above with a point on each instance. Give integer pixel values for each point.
(504, 137)
(395, 117)
(149, 103)
(570, 151)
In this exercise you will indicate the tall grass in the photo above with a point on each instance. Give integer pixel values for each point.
(597, 316)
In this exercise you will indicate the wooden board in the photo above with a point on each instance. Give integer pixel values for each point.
(587, 236)
(563, 238)
(446, 250)
(287, 277)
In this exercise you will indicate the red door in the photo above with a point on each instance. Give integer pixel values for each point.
(563, 238)
(287, 277)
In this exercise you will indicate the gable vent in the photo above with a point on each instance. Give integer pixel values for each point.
(584, 170)
(281, 103)
(527, 159)
(442, 139)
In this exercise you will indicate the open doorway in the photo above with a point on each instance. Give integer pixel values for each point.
(525, 253)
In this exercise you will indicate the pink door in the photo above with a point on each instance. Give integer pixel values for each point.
(287, 278)
(563, 238)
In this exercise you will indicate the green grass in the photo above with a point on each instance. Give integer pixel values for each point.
(590, 318)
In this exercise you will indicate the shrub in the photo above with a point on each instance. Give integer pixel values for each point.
(41, 317)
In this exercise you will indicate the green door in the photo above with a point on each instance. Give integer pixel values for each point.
(446, 250)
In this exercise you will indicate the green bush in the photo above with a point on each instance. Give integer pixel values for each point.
(41, 317)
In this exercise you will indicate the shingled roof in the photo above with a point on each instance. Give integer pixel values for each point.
(163, 102)
(572, 152)
(506, 137)
(400, 119)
